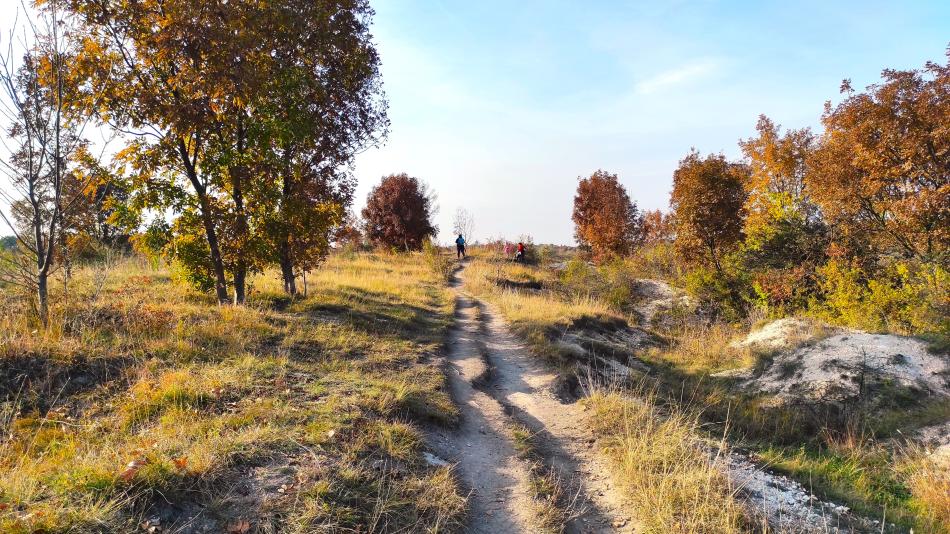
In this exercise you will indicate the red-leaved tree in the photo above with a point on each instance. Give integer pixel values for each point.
(398, 213)
(606, 221)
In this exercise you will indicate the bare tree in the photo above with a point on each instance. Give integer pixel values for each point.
(42, 136)
(464, 223)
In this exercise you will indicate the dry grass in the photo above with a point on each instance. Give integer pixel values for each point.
(662, 465)
(533, 315)
(928, 477)
(146, 397)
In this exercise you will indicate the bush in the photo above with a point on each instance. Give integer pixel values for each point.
(437, 262)
(906, 298)
(727, 294)
(611, 283)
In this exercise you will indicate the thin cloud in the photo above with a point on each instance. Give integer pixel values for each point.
(680, 75)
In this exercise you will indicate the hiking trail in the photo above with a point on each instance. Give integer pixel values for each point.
(499, 385)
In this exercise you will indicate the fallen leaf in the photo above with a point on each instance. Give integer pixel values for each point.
(132, 469)
(239, 527)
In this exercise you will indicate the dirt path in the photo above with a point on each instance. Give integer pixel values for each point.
(487, 462)
(497, 384)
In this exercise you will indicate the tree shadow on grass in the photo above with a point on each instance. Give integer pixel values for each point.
(378, 314)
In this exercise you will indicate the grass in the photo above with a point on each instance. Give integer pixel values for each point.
(663, 467)
(554, 502)
(872, 476)
(146, 399)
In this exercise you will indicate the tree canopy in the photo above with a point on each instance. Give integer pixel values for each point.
(398, 213)
(606, 221)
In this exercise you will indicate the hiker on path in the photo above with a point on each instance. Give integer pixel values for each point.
(519, 256)
(460, 247)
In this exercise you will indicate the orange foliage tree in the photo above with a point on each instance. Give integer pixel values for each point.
(658, 227)
(398, 213)
(606, 221)
(708, 201)
(882, 173)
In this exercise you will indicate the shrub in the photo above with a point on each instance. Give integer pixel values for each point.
(725, 293)
(907, 298)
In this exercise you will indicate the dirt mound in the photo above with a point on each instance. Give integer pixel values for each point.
(847, 365)
(607, 344)
(789, 332)
(656, 298)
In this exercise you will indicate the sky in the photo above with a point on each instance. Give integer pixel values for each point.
(500, 106)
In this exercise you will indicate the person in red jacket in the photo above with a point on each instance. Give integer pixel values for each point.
(519, 256)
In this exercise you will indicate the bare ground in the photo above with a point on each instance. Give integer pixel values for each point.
(498, 384)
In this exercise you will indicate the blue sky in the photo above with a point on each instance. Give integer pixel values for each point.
(500, 106)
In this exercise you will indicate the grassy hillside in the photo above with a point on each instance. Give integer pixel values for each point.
(859, 459)
(149, 406)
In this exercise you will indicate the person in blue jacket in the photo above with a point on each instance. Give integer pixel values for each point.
(460, 247)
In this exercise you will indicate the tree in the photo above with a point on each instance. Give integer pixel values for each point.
(398, 213)
(708, 202)
(464, 223)
(606, 221)
(328, 104)
(658, 227)
(44, 138)
(239, 112)
(777, 167)
(784, 233)
(882, 173)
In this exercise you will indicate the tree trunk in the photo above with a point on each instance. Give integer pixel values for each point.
(240, 278)
(237, 174)
(207, 218)
(287, 268)
(217, 264)
(42, 292)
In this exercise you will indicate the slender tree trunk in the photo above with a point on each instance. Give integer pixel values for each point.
(238, 174)
(240, 269)
(286, 257)
(207, 218)
(42, 291)
(287, 268)
(217, 264)
(240, 282)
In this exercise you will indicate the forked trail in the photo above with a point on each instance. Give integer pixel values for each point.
(498, 385)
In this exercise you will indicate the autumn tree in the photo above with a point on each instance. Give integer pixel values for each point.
(708, 202)
(606, 221)
(784, 233)
(658, 227)
(44, 137)
(882, 173)
(398, 213)
(328, 104)
(239, 113)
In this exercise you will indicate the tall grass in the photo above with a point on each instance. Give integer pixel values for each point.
(146, 394)
(671, 481)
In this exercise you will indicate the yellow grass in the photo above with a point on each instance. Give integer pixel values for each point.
(175, 394)
(671, 482)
